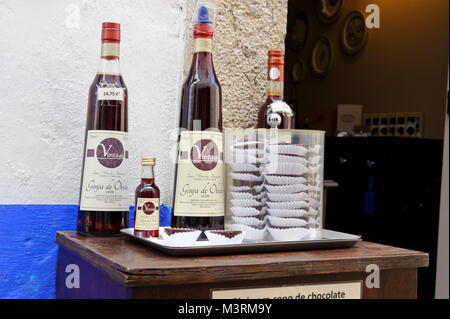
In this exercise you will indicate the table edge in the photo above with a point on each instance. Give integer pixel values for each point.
(217, 273)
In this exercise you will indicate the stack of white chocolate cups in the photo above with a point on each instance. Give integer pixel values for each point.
(247, 204)
(292, 182)
(275, 191)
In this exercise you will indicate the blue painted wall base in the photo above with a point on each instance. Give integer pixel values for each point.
(28, 249)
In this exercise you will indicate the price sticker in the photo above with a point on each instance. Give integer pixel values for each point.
(114, 94)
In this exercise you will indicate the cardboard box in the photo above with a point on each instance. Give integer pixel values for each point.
(348, 116)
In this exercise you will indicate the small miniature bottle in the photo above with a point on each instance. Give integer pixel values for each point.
(146, 212)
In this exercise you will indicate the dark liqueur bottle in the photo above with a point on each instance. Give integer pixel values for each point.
(104, 204)
(146, 213)
(275, 113)
(199, 182)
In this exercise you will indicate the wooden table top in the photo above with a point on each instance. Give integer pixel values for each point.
(133, 263)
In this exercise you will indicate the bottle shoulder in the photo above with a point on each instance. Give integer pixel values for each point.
(270, 105)
(267, 113)
(147, 187)
(202, 72)
(104, 80)
(199, 79)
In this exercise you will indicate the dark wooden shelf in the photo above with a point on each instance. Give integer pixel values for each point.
(130, 264)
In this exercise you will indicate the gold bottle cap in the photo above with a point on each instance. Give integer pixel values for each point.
(148, 161)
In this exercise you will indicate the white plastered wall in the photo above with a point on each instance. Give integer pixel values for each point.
(49, 51)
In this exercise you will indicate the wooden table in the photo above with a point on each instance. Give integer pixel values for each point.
(119, 268)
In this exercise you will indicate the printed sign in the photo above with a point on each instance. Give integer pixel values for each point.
(340, 290)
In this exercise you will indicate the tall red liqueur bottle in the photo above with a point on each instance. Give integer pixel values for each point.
(104, 202)
(199, 182)
(275, 113)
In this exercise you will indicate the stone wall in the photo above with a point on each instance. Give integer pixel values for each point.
(245, 31)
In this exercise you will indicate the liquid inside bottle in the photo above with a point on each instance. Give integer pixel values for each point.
(104, 203)
(199, 181)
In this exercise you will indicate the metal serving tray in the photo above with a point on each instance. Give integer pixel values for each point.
(329, 240)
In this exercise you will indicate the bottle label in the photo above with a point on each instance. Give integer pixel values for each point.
(200, 175)
(147, 214)
(274, 74)
(277, 111)
(202, 45)
(274, 119)
(110, 50)
(105, 174)
(110, 94)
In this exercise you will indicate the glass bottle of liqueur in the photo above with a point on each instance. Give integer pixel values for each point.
(199, 181)
(275, 113)
(104, 205)
(146, 213)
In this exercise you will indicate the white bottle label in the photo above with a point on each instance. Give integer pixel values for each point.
(110, 50)
(105, 174)
(274, 73)
(200, 175)
(147, 214)
(110, 94)
(274, 119)
(202, 45)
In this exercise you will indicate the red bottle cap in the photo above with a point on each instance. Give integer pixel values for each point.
(276, 57)
(276, 66)
(111, 32)
(203, 30)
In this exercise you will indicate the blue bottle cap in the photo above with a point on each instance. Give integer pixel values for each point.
(203, 15)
